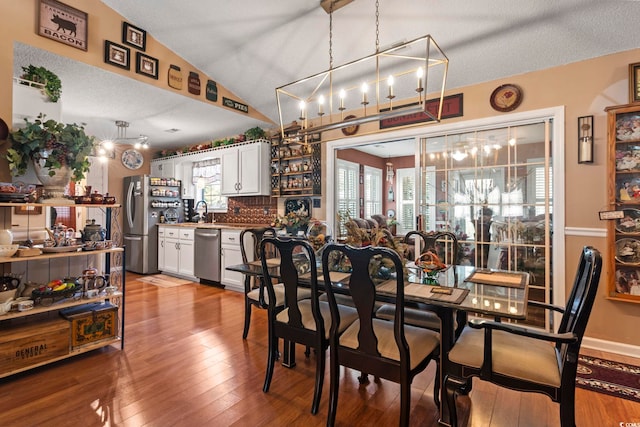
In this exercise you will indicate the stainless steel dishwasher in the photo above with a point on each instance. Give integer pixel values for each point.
(207, 252)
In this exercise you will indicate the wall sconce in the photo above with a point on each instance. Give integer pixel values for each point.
(585, 139)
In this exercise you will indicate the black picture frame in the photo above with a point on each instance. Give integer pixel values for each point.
(134, 36)
(63, 23)
(146, 65)
(117, 55)
(634, 82)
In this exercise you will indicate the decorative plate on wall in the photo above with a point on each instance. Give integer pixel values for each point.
(506, 98)
(132, 159)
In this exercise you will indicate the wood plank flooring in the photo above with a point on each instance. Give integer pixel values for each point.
(185, 364)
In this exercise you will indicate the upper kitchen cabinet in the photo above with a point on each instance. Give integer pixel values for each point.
(163, 168)
(245, 169)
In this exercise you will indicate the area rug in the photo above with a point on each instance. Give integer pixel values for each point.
(163, 281)
(608, 377)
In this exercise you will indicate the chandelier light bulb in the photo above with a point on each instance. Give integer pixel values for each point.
(390, 82)
(364, 88)
(107, 144)
(419, 75)
(512, 142)
(320, 105)
(303, 106)
(343, 95)
(137, 145)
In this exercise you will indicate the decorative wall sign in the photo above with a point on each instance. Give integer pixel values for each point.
(235, 105)
(211, 91)
(27, 210)
(193, 84)
(175, 77)
(134, 36)
(146, 65)
(451, 107)
(506, 98)
(63, 23)
(117, 55)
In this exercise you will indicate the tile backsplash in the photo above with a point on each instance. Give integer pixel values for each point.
(249, 210)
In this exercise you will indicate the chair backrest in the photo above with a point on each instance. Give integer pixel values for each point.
(581, 299)
(442, 243)
(362, 289)
(256, 235)
(296, 258)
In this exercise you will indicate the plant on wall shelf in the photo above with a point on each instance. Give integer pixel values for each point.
(52, 85)
(59, 144)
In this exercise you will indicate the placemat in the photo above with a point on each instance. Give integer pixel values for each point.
(425, 292)
(336, 276)
(271, 262)
(511, 279)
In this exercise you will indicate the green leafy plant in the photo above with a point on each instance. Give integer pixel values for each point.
(52, 85)
(58, 143)
(254, 133)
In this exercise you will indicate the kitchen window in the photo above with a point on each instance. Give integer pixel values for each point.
(372, 191)
(207, 177)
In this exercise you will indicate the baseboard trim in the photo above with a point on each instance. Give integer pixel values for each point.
(611, 347)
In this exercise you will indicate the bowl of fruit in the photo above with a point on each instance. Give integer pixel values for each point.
(55, 290)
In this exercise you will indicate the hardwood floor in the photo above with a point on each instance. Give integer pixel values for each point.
(185, 364)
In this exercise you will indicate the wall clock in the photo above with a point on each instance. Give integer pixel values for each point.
(350, 130)
(132, 159)
(506, 98)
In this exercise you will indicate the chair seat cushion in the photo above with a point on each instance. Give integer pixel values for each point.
(422, 342)
(421, 318)
(347, 316)
(279, 291)
(513, 355)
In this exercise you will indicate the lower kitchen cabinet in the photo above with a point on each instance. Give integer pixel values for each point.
(176, 250)
(230, 255)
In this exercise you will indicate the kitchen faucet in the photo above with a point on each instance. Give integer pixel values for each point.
(203, 218)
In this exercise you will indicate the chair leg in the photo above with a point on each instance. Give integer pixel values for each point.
(568, 408)
(307, 351)
(320, 365)
(247, 318)
(436, 385)
(405, 402)
(334, 371)
(272, 354)
(363, 378)
(452, 385)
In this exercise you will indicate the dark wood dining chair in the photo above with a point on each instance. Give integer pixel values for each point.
(254, 295)
(304, 320)
(391, 350)
(527, 359)
(445, 245)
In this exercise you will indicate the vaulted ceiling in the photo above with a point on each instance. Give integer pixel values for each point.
(253, 46)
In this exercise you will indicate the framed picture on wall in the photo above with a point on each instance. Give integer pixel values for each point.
(634, 82)
(146, 65)
(134, 36)
(63, 24)
(117, 55)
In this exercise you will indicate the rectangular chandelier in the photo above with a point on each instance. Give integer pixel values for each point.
(390, 83)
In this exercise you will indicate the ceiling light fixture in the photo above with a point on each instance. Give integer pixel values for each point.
(387, 84)
(106, 147)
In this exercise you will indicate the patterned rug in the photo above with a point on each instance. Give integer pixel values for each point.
(608, 377)
(163, 281)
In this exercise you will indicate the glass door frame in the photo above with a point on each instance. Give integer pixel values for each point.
(557, 114)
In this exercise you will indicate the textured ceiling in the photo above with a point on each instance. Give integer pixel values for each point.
(253, 46)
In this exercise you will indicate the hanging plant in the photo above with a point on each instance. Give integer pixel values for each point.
(52, 85)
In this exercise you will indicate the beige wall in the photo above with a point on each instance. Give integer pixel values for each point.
(584, 88)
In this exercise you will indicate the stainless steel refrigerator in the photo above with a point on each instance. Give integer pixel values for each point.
(144, 204)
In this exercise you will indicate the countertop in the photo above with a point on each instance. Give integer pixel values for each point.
(218, 225)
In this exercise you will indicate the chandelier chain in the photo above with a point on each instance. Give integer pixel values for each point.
(331, 36)
(377, 26)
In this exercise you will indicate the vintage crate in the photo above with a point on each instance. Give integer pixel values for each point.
(28, 344)
(91, 323)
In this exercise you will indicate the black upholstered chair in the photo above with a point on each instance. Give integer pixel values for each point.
(304, 320)
(527, 359)
(391, 350)
(254, 294)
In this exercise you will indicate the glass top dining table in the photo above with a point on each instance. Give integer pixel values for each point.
(459, 290)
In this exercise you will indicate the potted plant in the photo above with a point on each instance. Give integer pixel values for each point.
(59, 153)
(52, 87)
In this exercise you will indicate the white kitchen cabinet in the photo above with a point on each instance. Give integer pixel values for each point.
(176, 251)
(231, 255)
(185, 174)
(245, 169)
(163, 168)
